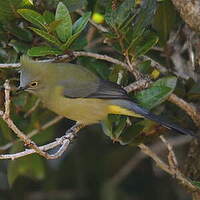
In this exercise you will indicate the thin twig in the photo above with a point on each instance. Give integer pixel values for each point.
(76, 54)
(137, 158)
(33, 132)
(188, 108)
(100, 57)
(138, 85)
(64, 141)
(173, 163)
(179, 176)
(28, 142)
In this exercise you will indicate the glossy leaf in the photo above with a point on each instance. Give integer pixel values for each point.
(80, 24)
(43, 51)
(33, 17)
(50, 38)
(64, 29)
(157, 93)
(78, 27)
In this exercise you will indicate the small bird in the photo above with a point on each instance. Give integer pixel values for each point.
(78, 94)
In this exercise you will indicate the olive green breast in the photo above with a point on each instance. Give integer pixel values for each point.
(83, 110)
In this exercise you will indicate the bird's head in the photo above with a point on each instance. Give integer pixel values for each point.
(33, 76)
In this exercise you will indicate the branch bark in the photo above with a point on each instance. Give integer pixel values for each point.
(189, 11)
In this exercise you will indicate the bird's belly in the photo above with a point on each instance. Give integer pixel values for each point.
(86, 111)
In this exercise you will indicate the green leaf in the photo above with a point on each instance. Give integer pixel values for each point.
(120, 127)
(124, 11)
(80, 24)
(31, 166)
(144, 44)
(53, 25)
(143, 19)
(131, 133)
(73, 5)
(48, 16)
(157, 93)
(115, 18)
(8, 10)
(43, 51)
(50, 38)
(64, 29)
(19, 46)
(77, 28)
(107, 127)
(27, 3)
(20, 33)
(164, 20)
(33, 17)
(196, 183)
(79, 43)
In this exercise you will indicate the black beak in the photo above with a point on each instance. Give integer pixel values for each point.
(20, 89)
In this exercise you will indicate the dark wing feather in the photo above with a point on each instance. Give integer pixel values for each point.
(101, 89)
(109, 90)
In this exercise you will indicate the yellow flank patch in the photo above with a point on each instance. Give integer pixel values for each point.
(113, 109)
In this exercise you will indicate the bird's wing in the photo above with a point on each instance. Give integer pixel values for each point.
(109, 90)
(86, 88)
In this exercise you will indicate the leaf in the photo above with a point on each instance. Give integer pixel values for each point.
(43, 51)
(78, 27)
(164, 20)
(144, 44)
(79, 43)
(33, 17)
(19, 46)
(196, 183)
(107, 127)
(157, 93)
(120, 127)
(31, 166)
(115, 18)
(48, 16)
(53, 25)
(64, 29)
(124, 11)
(8, 10)
(143, 19)
(80, 24)
(20, 33)
(131, 133)
(50, 38)
(73, 5)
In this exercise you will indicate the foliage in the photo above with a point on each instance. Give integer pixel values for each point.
(135, 29)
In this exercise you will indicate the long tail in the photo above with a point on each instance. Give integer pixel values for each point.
(131, 106)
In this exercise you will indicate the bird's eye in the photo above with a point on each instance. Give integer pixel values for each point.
(34, 84)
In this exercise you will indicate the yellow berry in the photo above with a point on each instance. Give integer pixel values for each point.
(98, 18)
(155, 74)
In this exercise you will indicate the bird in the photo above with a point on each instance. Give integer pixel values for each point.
(76, 93)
